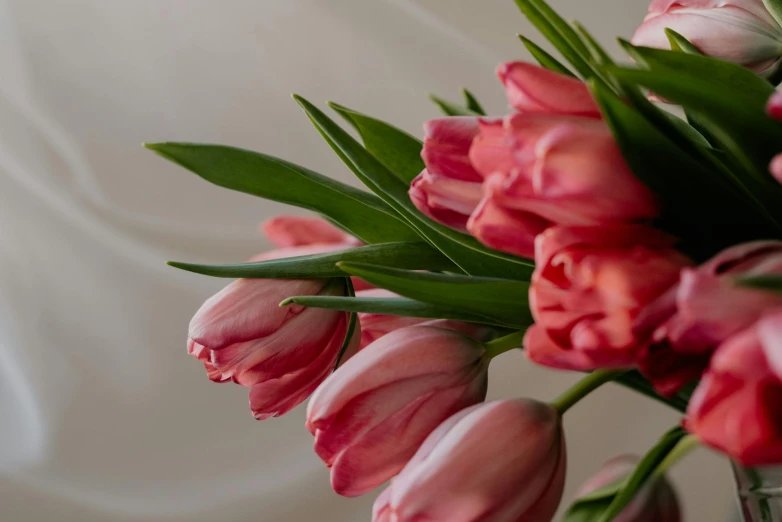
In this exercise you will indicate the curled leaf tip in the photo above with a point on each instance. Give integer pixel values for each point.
(288, 301)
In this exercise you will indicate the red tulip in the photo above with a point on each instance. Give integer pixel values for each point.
(706, 307)
(531, 88)
(589, 285)
(656, 502)
(282, 353)
(737, 407)
(738, 31)
(503, 461)
(371, 416)
(541, 170)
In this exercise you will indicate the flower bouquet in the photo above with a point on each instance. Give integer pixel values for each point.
(593, 227)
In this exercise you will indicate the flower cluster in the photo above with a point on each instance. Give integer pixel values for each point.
(614, 290)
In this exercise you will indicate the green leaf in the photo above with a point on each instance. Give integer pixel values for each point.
(772, 283)
(590, 507)
(351, 329)
(364, 215)
(680, 43)
(414, 256)
(395, 306)
(643, 472)
(599, 55)
(728, 100)
(452, 109)
(775, 8)
(544, 58)
(700, 208)
(463, 250)
(472, 102)
(396, 149)
(559, 33)
(503, 300)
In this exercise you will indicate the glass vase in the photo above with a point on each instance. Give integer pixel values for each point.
(760, 493)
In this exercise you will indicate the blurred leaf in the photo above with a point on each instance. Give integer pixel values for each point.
(680, 43)
(500, 299)
(416, 256)
(396, 306)
(592, 506)
(465, 251)
(698, 206)
(363, 214)
(452, 109)
(352, 322)
(396, 149)
(472, 102)
(775, 8)
(643, 472)
(772, 283)
(599, 55)
(544, 58)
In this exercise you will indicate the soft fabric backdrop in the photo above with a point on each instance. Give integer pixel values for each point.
(104, 416)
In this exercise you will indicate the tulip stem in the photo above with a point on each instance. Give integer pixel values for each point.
(681, 450)
(584, 387)
(504, 344)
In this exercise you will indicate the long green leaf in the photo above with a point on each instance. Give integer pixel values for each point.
(463, 250)
(414, 256)
(643, 472)
(396, 306)
(396, 149)
(452, 109)
(775, 8)
(544, 58)
(497, 298)
(699, 207)
(364, 215)
(590, 507)
(351, 329)
(472, 103)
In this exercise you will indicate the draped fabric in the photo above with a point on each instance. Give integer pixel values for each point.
(103, 416)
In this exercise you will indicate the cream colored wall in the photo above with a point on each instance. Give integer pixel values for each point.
(104, 417)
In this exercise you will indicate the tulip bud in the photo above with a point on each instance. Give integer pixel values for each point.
(531, 88)
(656, 502)
(296, 231)
(738, 31)
(369, 417)
(282, 353)
(499, 461)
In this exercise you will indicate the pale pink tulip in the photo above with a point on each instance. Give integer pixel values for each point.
(282, 353)
(541, 170)
(369, 417)
(686, 324)
(449, 189)
(503, 461)
(656, 502)
(531, 88)
(737, 407)
(295, 231)
(589, 286)
(774, 109)
(738, 31)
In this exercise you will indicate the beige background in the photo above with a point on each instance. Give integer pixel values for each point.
(104, 417)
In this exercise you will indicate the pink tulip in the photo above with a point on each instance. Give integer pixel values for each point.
(449, 189)
(541, 170)
(589, 285)
(739, 31)
(295, 231)
(706, 307)
(369, 418)
(656, 502)
(375, 326)
(282, 353)
(737, 407)
(531, 88)
(774, 109)
(503, 461)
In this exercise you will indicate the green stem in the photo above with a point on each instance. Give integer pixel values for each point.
(504, 344)
(681, 450)
(583, 388)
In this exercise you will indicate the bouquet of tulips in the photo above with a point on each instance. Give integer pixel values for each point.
(592, 226)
